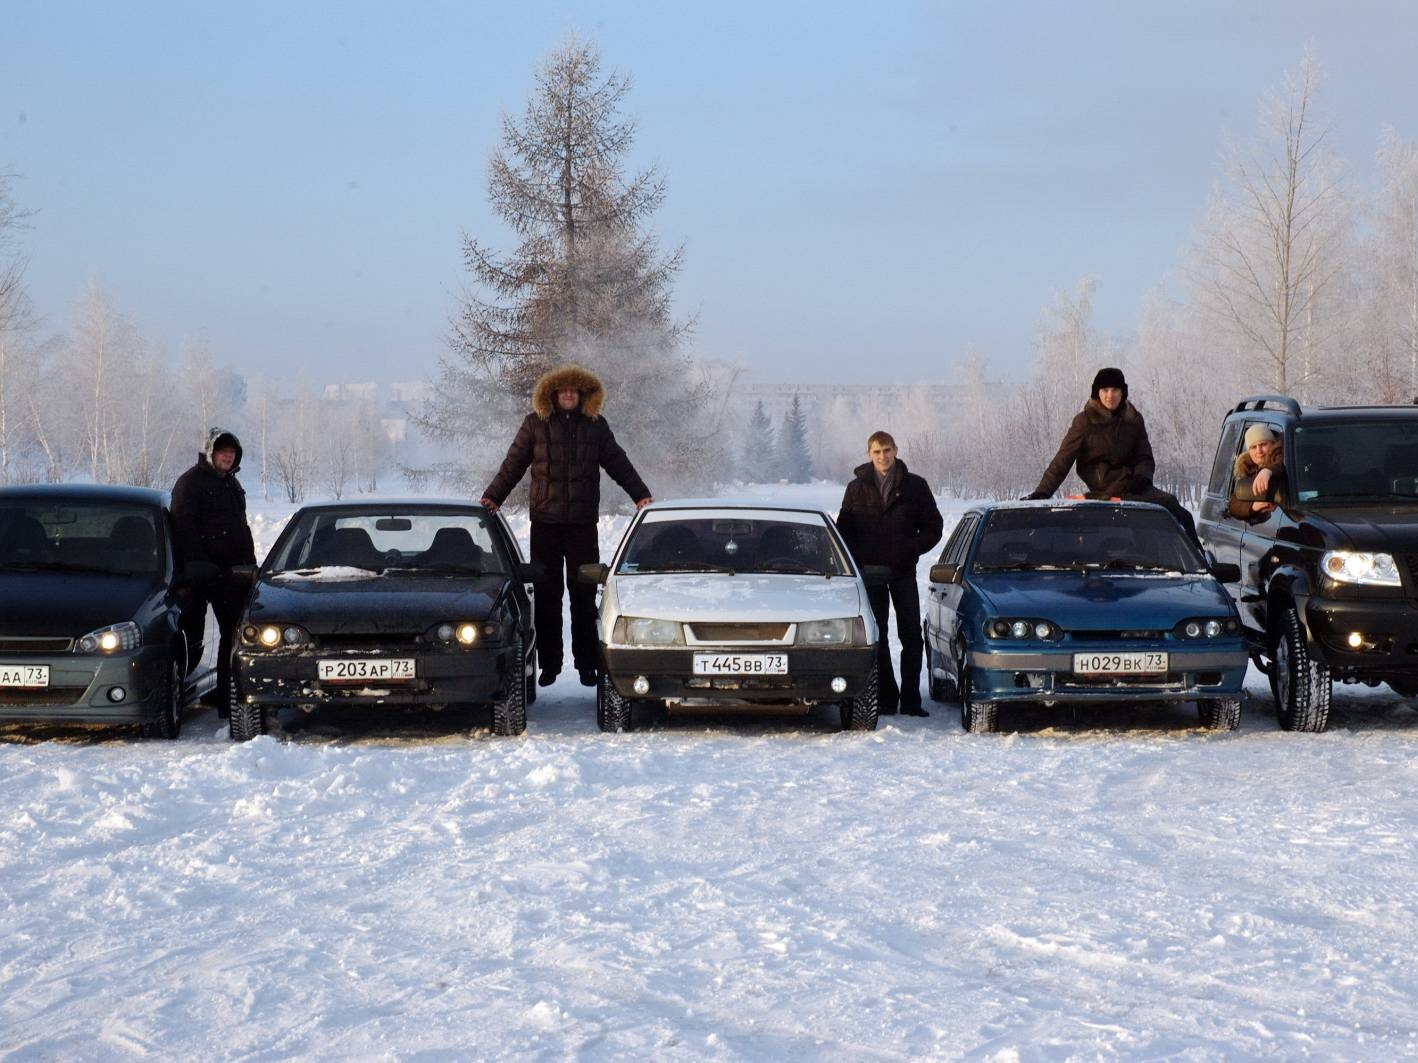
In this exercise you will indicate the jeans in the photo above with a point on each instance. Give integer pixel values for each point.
(903, 594)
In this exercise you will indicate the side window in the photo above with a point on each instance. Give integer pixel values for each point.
(951, 542)
(960, 541)
(1226, 452)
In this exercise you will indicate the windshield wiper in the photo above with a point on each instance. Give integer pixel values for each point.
(439, 570)
(1016, 566)
(796, 568)
(685, 566)
(64, 566)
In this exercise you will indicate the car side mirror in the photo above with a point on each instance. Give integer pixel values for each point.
(596, 574)
(947, 572)
(1225, 572)
(876, 575)
(531, 572)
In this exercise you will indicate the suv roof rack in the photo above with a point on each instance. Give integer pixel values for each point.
(1259, 402)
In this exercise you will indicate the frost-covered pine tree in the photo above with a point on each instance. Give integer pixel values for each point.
(758, 461)
(795, 455)
(586, 283)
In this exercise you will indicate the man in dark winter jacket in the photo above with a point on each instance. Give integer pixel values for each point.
(1108, 443)
(566, 443)
(889, 517)
(211, 535)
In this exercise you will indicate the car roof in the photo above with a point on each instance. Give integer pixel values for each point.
(373, 504)
(732, 503)
(1327, 414)
(1065, 503)
(70, 492)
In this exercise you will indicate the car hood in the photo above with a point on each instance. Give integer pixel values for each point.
(722, 597)
(68, 604)
(1392, 529)
(378, 605)
(1103, 601)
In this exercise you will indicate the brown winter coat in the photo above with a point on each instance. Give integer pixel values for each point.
(1243, 470)
(1111, 450)
(566, 453)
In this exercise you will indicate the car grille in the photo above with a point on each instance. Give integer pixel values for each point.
(41, 695)
(27, 644)
(739, 632)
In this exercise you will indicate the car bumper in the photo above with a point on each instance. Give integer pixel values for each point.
(1036, 674)
(80, 688)
(276, 679)
(1389, 627)
(670, 673)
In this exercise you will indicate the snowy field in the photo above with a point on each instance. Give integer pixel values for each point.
(1120, 885)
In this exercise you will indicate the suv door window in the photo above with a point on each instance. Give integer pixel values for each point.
(1226, 452)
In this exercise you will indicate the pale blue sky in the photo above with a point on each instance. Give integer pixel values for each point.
(863, 190)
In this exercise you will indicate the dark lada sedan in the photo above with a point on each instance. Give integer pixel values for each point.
(391, 603)
(1081, 602)
(89, 630)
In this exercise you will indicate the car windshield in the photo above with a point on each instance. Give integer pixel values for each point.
(787, 543)
(1357, 461)
(1085, 538)
(427, 542)
(79, 536)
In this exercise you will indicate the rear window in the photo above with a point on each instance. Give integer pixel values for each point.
(1085, 537)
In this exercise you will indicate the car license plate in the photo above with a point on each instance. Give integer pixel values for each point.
(1135, 663)
(740, 664)
(24, 675)
(359, 669)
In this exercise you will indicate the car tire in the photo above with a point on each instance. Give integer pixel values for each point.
(862, 712)
(1301, 684)
(1219, 714)
(531, 681)
(612, 708)
(976, 717)
(244, 721)
(509, 712)
(168, 722)
(940, 688)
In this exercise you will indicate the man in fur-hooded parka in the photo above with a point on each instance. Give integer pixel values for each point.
(565, 442)
(1107, 442)
(211, 535)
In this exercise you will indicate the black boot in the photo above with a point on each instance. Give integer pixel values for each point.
(548, 677)
(588, 676)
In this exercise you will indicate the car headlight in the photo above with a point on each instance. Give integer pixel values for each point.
(1353, 566)
(274, 636)
(641, 631)
(1207, 627)
(1023, 628)
(848, 631)
(116, 638)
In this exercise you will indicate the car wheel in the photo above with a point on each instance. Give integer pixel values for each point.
(612, 709)
(862, 712)
(509, 712)
(939, 687)
(1219, 714)
(244, 721)
(168, 722)
(977, 717)
(1301, 685)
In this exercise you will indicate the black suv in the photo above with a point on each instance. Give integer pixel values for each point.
(1329, 578)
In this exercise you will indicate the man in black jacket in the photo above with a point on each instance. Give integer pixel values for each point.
(1108, 443)
(889, 517)
(566, 443)
(211, 533)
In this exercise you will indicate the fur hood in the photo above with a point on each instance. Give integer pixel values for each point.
(221, 436)
(593, 392)
(1100, 414)
(1243, 466)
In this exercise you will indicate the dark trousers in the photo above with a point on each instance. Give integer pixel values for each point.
(902, 594)
(1170, 503)
(226, 597)
(561, 549)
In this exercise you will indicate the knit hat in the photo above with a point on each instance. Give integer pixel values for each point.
(1110, 378)
(1259, 433)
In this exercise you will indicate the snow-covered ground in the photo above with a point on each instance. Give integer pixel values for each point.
(1122, 885)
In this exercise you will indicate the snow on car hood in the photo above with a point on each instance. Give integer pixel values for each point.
(720, 596)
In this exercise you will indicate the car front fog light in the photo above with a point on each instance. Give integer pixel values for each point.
(641, 685)
(838, 684)
(467, 634)
(116, 694)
